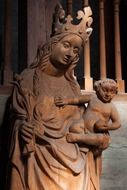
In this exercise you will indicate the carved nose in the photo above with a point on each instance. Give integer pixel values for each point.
(70, 53)
(68, 56)
(108, 94)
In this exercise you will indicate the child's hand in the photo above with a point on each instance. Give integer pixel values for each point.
(100, 126)
(105, 141)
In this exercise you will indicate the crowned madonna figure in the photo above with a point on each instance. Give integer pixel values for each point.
(41, 158)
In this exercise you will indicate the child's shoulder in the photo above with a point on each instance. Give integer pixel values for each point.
(94, 97)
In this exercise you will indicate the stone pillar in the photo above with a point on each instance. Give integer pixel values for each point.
(102, 41)
(69, 7)
(7, 72)
(39, 25)
(88, 81)
(118, 69)
(36, 27)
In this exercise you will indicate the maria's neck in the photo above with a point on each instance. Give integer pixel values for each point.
(53, 71)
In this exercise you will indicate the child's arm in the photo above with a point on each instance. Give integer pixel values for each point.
(114, 118)
(102, 126)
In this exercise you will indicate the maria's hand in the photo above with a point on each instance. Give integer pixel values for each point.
(106, 141)
(60, 101)
(26, 131)
(104, 144)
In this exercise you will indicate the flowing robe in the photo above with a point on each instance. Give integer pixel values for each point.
(54, 164)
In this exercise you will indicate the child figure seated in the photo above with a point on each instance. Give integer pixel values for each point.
(100, 116)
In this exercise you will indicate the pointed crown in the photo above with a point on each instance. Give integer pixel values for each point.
(64, 24)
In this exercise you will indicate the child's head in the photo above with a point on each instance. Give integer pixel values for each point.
(106, 89)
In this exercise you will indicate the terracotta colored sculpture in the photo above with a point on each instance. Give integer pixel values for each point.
(41, 158)
(99, 112)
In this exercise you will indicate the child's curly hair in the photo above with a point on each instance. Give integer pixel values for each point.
(101, 83)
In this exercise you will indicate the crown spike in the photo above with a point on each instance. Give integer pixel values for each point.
(64, 24)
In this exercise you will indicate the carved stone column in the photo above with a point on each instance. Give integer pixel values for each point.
(118, 69)
(88, 81)
(102, 41)
(39, 21)
(69, 7)
(7, 73)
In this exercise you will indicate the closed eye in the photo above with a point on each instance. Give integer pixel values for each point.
(66, 45)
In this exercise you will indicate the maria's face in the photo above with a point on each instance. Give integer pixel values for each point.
(66, 51)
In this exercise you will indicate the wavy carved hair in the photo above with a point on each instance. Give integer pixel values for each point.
(101, 83)
(41, 61)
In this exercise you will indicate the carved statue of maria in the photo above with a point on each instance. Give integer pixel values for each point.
(41, 158)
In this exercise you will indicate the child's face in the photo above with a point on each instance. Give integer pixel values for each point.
(106, 92)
